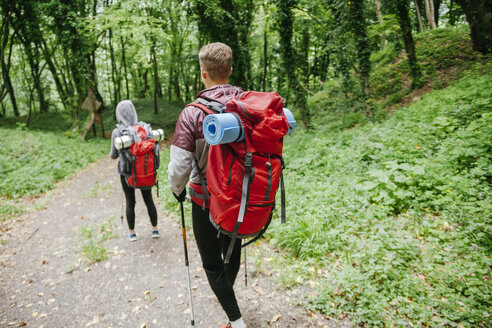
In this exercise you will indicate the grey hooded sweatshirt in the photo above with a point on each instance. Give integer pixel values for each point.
(125, 115)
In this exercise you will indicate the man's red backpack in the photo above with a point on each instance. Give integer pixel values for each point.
(243, 177)
(142, 157)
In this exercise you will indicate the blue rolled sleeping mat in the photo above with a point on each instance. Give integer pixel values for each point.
(226, 127)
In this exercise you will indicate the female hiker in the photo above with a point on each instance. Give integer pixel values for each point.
(126, 116)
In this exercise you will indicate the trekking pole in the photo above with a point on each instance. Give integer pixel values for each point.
(187, 263)
(122, 199)
(245, 268)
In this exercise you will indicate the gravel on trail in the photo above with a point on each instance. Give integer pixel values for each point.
(46, 281)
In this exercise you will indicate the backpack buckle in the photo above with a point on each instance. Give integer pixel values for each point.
(248, 161)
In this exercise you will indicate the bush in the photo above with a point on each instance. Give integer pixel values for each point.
(398, 215)
(32, 161)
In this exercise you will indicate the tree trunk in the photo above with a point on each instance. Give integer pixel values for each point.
(145, 89)
(169, 84)
(358, 22)
(406, 29)
(437, 5)
(377, 5)
(429, 12)
(54, 73)
(29, 36)
(123, 59)
(39, 89)
(419, 17)
(6, 38)
(479, 15)
(325, 63)
(177, 90)
(116, 86)
(156, 78)
(265, 57)
(29, 113)
(285, 20)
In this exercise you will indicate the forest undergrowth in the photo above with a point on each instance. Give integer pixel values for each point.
(393, 220)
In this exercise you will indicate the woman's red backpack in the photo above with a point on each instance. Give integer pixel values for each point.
(243, 177)
(142, 156)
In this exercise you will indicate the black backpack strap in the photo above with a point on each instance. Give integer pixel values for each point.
(282, 191)
(248, 164)
(260, 234)
(215, 106)
(203, 107)
(134, 172)
(202, 182)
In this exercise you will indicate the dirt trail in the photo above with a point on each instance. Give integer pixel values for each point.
(44, 281)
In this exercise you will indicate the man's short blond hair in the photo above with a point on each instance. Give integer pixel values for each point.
(216, 59)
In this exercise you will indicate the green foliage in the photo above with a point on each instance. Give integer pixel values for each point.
(45, 122)
(31, 161)
(390, 28)
(10, 208)
(443, 48)
(94, 237)
(439, 50)
(398, 214)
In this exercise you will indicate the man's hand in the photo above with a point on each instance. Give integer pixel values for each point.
(181, 197)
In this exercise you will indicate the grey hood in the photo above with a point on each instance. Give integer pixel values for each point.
(126, 113)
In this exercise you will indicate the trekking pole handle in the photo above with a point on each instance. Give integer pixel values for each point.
(183, 230)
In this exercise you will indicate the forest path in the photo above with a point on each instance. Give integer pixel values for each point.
(45, 282)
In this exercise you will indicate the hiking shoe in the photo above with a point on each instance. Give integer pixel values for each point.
(131, 236)
(155, 233)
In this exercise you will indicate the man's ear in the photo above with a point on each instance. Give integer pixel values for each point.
(204, 73)
(230, 72)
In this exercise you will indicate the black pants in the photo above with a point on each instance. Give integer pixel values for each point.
(130, 204)
(220, 276)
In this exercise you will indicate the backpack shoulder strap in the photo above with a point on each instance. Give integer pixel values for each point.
(202, 107)
(147, 128)
(121, 128)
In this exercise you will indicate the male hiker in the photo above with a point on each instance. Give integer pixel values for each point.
(189, 153)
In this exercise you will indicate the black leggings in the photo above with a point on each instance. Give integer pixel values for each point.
(130, 204)
(220, 276)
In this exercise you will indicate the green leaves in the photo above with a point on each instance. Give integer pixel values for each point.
(31, 161)
(398, 213)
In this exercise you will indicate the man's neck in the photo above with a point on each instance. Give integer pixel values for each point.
(210, 84)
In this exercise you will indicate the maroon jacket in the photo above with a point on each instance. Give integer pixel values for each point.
(188, 141)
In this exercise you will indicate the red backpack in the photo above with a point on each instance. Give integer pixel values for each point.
(142, 157)
(243, 177)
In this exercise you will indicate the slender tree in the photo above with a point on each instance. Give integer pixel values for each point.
(429, 12)
(285, 20)
(437, 6)
(7, 42)
(419, 16)
(479, 16)
(359, 29)
(406, 30)
(29, 33)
